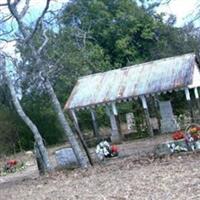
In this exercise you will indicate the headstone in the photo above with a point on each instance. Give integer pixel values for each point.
(131, 124)
(170, 147)
(66, 158)
(154, 123)
(184, 121)
(168, 121)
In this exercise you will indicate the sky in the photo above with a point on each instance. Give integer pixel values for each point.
(35, 9)
(182, 9)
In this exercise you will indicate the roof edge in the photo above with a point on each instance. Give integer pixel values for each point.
(136, 65)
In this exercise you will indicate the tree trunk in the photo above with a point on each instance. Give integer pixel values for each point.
(25, 118)
(83, 161)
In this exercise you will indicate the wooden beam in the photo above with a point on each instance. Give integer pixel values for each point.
(187, 94)
(147, 116)
(94, 123)
(74, 118)
(196, 94)
(114, 109)
(144, 102)
(188, 98)
(157, 111)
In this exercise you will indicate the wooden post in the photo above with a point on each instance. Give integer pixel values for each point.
(115, 137)
(196, 94)
(75, 119)
(114, 109)
(157, 112)
(147, 116)
(115, 112)
(94, 123)
(188, 98)
(80, 135)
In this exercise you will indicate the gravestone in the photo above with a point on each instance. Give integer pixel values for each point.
(154, 123)
(184, 121)
(66, 158)
(130, 121)
(168, 121)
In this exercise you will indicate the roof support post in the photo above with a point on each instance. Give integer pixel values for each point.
(188, 98)
(114, 109)
(94, 123)
(72, 114)
(147, 116)
(196, 94)
(115, 112)
(115, 135)
(157, 112)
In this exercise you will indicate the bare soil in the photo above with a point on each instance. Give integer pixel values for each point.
(133, 175)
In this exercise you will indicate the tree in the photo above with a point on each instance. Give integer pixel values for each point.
(127, 32)
(26, 37)
(37, 136)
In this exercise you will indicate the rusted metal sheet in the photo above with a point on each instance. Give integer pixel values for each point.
(130, 82)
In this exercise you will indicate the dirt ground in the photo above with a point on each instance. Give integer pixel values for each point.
(133, 175)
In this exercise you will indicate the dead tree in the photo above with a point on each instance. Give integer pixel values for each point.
(25, 36)
(37, 136)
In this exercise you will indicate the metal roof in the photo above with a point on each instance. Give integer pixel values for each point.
(130, 82)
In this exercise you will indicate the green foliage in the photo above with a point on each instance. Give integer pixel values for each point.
(126, 32)
(117, 26)
(39, 110)
(9, 136)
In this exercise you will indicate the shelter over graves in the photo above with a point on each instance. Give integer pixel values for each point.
(160, 76)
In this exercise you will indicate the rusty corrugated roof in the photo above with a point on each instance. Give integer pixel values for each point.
(130, 82)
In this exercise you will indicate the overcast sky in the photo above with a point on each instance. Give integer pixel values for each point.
(181, 8)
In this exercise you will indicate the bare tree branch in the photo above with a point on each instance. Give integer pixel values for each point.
(2, 32)
(3, 4)
(163, 2)
(24, 10)
(45, 41)
(39, 20)
(16, 2)
(13, 10)
(5, 18)
(7, 41)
